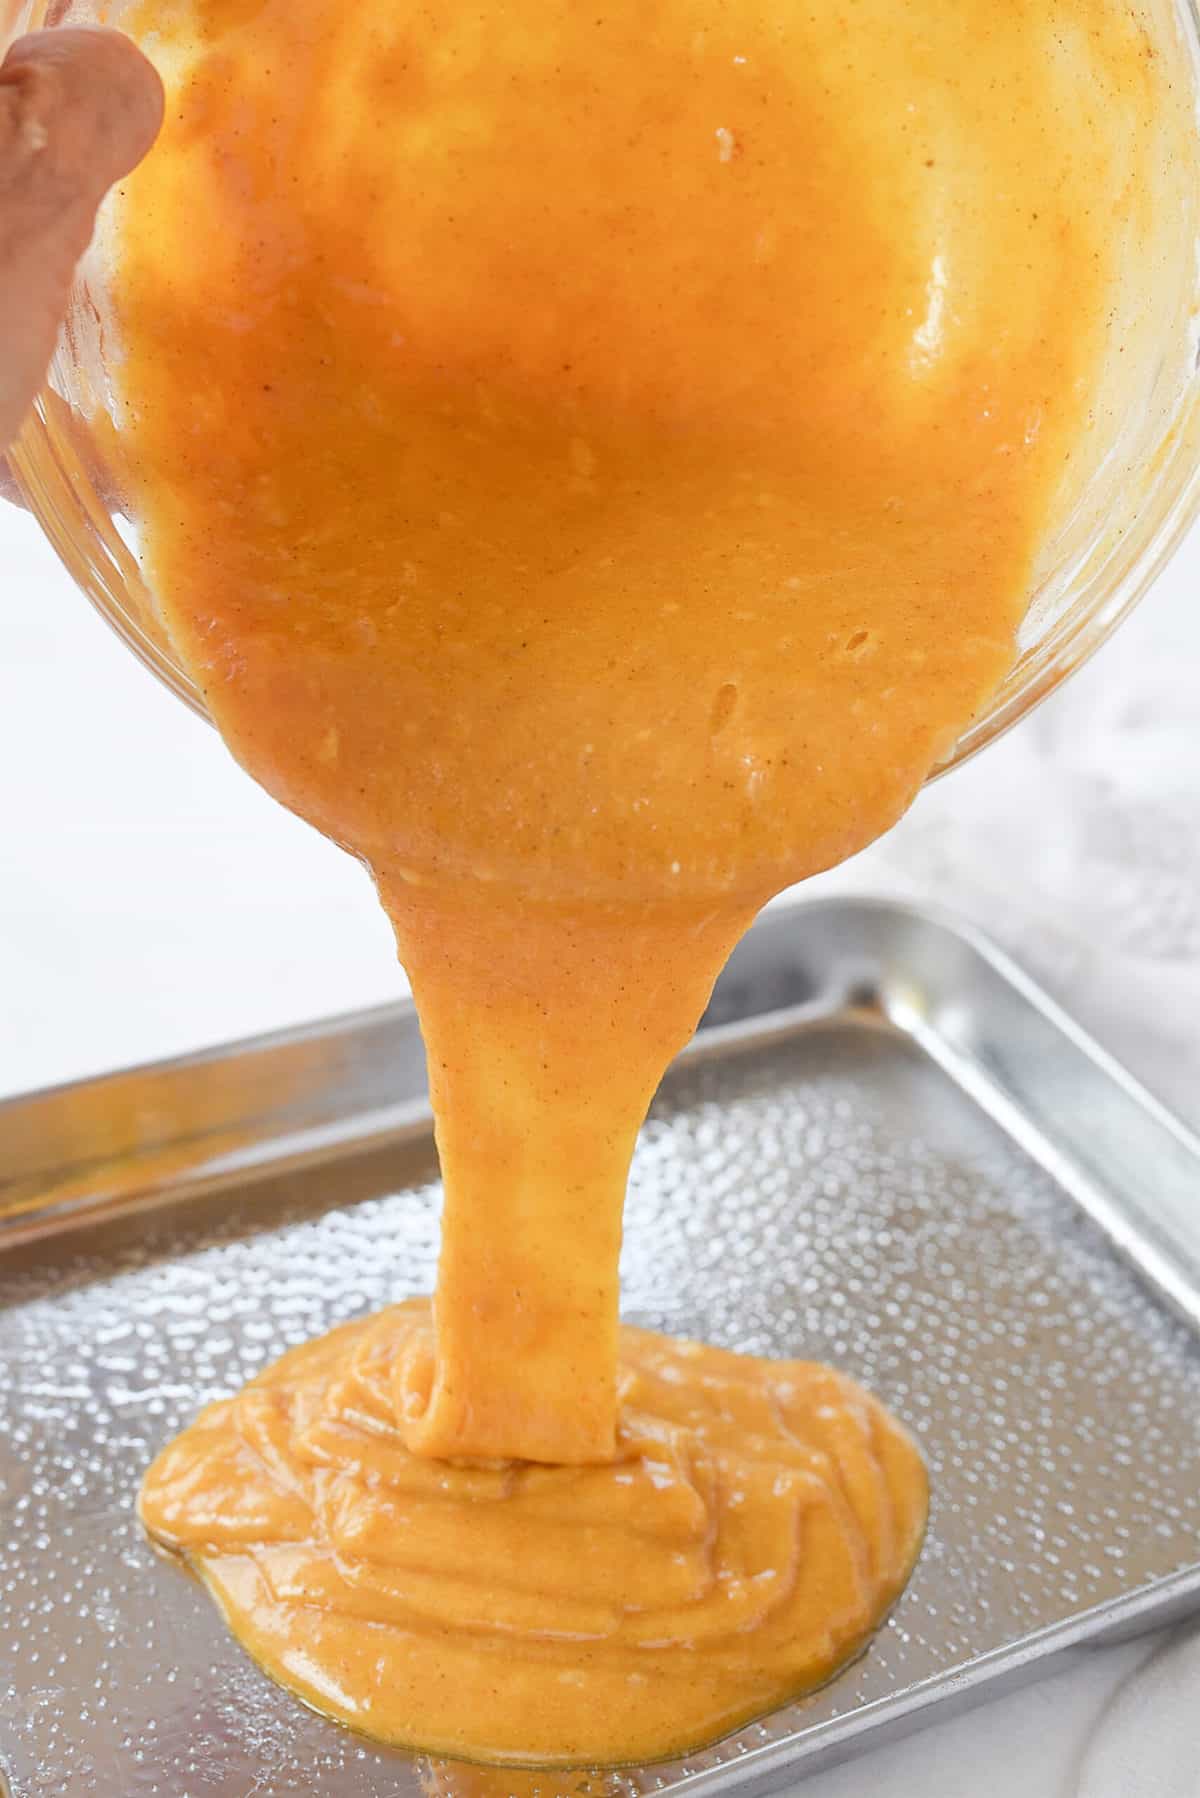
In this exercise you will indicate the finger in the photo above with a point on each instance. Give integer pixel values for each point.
(79, 107)
(8, 486)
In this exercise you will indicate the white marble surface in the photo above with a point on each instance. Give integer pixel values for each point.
(152, 900)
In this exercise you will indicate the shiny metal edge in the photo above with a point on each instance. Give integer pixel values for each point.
(890, 1719)
(152, 1135)
(294, 1098)
(1117, 1151)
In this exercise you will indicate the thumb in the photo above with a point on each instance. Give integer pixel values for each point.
(79, 108)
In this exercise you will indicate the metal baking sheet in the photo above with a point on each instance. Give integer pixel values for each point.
(885, 1149)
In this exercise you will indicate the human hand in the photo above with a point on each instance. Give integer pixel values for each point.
(79, 108)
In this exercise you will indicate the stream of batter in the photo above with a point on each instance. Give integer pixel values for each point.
(593, 460)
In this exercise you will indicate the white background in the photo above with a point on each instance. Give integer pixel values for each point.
(151, 900)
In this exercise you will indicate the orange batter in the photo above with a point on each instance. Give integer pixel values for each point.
(592, 459)
(755, 1519)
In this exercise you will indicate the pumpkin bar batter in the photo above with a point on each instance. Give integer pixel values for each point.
(593, 461)
(753, 1521)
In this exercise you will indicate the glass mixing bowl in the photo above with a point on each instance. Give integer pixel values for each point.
(1134, 492)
